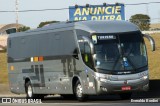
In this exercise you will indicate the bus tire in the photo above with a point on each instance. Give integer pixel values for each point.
(79, 92)
(125, 96)
(29, 91)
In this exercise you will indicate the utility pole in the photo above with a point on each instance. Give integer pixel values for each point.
(16, 12)
(159, 15)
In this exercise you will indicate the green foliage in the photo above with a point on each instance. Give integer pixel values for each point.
(46, 23)
(22, 29)
(141, 20)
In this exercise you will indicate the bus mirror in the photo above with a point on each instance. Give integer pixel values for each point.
(151, 40)
(90, 44)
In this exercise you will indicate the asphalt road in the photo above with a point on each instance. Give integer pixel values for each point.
(145, 98)
(86, 104)
(107, 100)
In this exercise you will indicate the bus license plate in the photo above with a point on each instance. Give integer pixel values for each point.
(126, 88)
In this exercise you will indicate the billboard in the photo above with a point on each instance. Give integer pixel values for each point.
(97, 12)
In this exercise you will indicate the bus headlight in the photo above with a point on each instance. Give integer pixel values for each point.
(145, 77)
(103, 80)
(102, 77)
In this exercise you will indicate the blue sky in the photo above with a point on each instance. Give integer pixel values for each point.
(33, 19)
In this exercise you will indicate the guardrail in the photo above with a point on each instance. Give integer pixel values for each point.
(150, 32)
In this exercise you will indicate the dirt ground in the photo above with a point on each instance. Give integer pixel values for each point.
(4, 89)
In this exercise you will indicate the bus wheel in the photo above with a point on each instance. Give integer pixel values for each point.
(125, 96)
(79, 92)
(29, 90)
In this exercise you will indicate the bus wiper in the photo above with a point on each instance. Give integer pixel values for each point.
(131, 63)
(116, 62)
(128, 53)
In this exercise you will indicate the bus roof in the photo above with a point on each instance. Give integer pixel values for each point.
(107, 26)
(90, 26)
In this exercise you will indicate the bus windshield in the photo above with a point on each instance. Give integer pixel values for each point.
(120, 52)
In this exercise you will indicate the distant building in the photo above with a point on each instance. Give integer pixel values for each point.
(6, 29)
(9, 28)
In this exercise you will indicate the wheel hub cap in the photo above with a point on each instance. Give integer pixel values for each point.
(29, 91)
(79, 90)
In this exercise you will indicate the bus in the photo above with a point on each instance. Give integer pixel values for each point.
(78, 59)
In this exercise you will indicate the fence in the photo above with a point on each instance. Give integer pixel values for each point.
(150, 32)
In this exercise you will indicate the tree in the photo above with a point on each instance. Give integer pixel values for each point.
(22, 29)
(141, 20)
(45, 23)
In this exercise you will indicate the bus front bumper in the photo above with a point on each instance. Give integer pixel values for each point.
(122, 86)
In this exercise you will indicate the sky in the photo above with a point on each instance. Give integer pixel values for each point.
(32, 19)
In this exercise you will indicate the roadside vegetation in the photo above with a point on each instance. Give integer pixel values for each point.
(3, 68)
(154, 57)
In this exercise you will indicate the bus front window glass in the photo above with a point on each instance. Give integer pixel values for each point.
(120, 52)
(133, 48)
(107, 53)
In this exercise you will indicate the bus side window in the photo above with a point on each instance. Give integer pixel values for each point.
(87, 57)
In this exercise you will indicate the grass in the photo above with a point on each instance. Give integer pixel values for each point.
(154, 57)
(3, 68)
(154, 61)
(156, 25)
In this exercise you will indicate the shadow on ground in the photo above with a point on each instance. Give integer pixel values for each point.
(154, 91)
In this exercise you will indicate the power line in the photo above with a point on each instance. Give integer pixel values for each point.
(37, 10)
(73, 8)
(144, 3)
